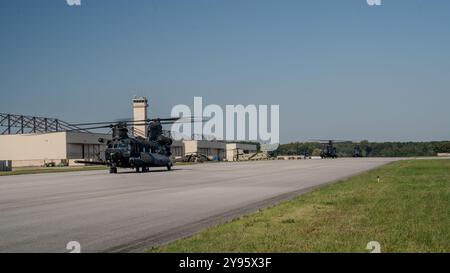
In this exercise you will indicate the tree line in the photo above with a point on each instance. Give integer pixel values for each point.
(369, 149)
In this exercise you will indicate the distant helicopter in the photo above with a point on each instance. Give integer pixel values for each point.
(328, 150)
(357, 152)
(124, 151)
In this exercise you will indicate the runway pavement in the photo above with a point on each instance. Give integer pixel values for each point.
(128, 212)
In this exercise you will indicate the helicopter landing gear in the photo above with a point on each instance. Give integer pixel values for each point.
(141, 169)
(113, 170)
(169, 166)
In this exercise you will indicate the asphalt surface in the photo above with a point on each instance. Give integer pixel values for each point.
(129, 212)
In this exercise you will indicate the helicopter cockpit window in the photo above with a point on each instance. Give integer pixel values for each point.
(120, 145)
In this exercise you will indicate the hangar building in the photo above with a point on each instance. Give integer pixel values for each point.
(215, 150)
(235, 150)
(35, 141)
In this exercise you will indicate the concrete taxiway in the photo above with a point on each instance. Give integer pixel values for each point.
(128, 212)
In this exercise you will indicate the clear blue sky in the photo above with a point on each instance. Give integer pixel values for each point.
(338, 68)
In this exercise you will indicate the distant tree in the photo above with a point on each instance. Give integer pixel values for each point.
(371, 149)
(441, 147)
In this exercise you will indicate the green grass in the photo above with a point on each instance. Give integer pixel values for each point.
(408, 211)
(19, 171)
(183, 163)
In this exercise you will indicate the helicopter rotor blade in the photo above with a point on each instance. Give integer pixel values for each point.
(162, 123)
(184, 121)
(179, 119)
(127, 124)
(166, 121)
(130, 121)
(98, 123)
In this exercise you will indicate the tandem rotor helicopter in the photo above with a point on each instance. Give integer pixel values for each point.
(329, 151)
(139, 153)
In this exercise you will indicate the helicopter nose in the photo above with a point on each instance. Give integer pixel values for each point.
(114, 155)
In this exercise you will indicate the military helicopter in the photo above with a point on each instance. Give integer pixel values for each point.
(328, 150)
(125, 151)
(357, 152)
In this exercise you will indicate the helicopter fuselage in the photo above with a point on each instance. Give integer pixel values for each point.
(125, 151)
(328, 151)
(136, 153)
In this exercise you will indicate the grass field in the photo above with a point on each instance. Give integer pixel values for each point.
(36, 170)
(408, 211)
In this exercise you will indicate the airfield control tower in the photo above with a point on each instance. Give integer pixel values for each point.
(140, 105)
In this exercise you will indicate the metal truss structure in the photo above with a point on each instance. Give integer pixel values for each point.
(19, 124)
